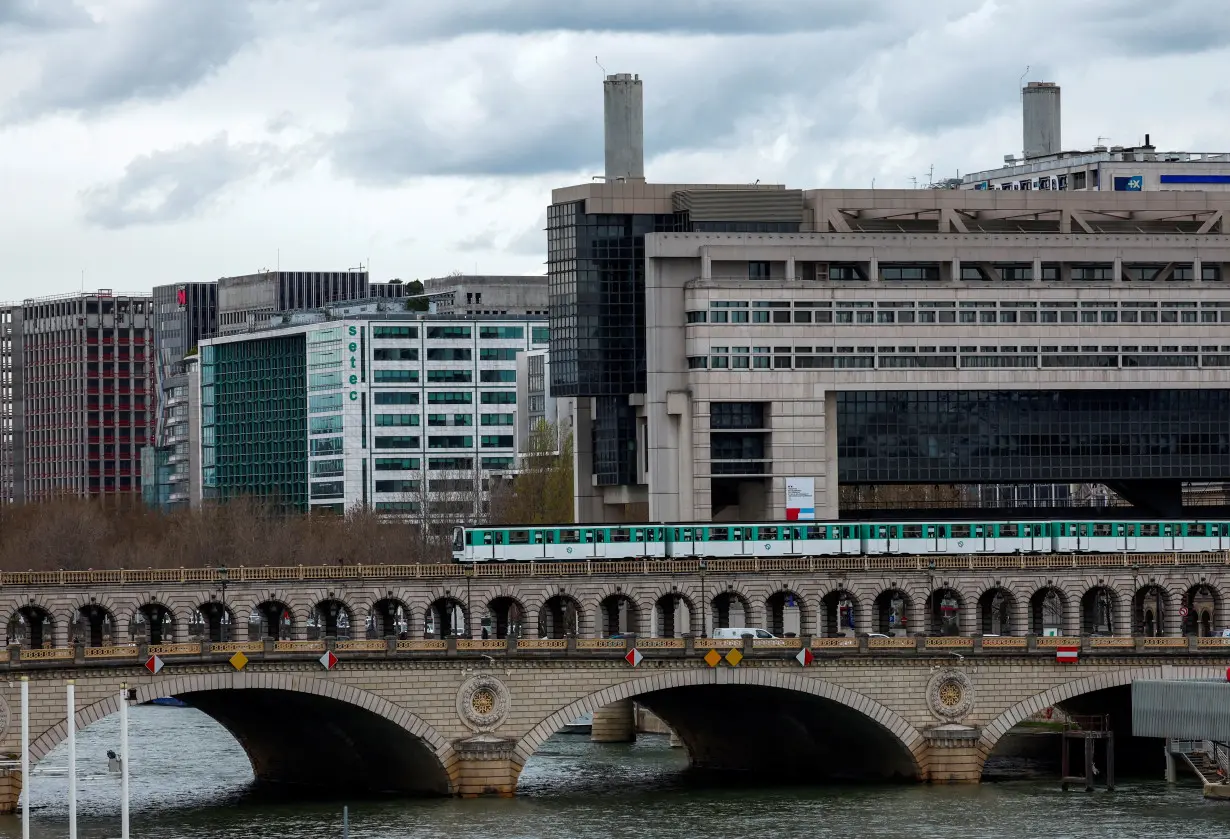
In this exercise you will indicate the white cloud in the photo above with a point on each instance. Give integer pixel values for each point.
(150, 141)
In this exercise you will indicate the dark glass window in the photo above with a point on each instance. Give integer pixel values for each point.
(1033, 436)
(736, 415)
(397, 354)
(395, 397)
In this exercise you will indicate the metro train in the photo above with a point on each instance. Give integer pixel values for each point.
(562, 543)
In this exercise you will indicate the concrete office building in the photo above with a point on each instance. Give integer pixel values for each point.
(724, 341)
(355, 405)
(80, 398)
(534, 400)
(248, 302)
(1046, 166)
(487, 295)
(184, 314)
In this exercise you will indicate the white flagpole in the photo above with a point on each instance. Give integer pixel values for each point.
(124, 761)
(25, 757)
(72, 759)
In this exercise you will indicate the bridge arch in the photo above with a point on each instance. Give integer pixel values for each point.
(422, 761)
(888, 727)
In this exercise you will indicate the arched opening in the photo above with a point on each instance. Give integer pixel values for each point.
(152, 623)
(446, 618)
(730, 609)
(802, 728)
(1201, 603)
(1098, 611)
(303, 734)
(620, 615)
(213, 621)
(94, 626)
(944, 612)
(389, 618)
(505, 617)
(1031, 740)
(1046, 612)
(330, 618)
(840, 614)
(31, 627)
(673, 614)
(559, 617)
(784, 613)
(893, 612)
(271, 619)
(1149, 611)
(995, 608)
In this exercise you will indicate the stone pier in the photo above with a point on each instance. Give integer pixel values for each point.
(614, 723)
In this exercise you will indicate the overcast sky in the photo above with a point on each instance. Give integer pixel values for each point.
(154, 141)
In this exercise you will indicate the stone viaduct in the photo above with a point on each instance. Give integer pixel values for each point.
(405, 710)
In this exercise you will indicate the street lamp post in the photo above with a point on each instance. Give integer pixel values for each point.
(222, 633)
(704, 595)
(469, 618)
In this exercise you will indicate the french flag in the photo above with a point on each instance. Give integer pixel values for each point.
(1066, 655)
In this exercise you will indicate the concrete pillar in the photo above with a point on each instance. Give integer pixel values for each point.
(485, 767)
(676, 743)
(1072, 614)
(1196, 268)
(864, 616)
(706, 267)
(826, 502)
(873, 270)
(614, 723)
(956, 271)
(1117, 271)
(1037, 270)
(1020, 616)
(791, 276)
(1121, 618)
(587, 505)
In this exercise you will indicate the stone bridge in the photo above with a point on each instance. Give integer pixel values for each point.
(1151, 595)
(462, 716)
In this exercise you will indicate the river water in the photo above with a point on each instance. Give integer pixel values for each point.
(191, 779)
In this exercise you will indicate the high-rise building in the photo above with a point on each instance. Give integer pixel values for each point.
(183, 314)
(82, 401)
(406, 413)
(7, 442)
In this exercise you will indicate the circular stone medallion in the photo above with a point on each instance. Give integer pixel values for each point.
(482, 702)
(950, 695)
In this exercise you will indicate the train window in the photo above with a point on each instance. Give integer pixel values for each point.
(539, 534)
(620, 534)
(813, 532)
(978, 530)
(486, 541)
(1197, 529)
(716, 534)
(1148, 530)
(518, 537)
(930, 531)
(1120, 530)
(960, 531)
(638, 534)
(847, 532)
(687, 533)
(1168, 530)
(766, 533)
(569, 536)
(912, 531)
(499, 537)
(1102, 529)
(881, 532)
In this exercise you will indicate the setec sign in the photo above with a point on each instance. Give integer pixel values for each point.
(800, 499)
(352, 349)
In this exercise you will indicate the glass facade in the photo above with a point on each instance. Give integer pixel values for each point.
(955, 437)
(254, 421)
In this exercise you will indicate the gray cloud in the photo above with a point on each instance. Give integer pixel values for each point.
(41, 15)
(428, 20)
(164, 48)
(172, 185)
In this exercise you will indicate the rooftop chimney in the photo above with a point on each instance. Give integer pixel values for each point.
(624, 121)
(1040, 107)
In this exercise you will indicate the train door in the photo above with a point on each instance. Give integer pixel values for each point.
(682, 542)
(1127, 532)
(851, 538)
(985, 537)
(1178, 535)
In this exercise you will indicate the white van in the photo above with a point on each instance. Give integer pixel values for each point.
(738, 632)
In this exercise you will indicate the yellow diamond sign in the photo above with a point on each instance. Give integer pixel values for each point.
(239, 661)
(712, 658)
(733, 658)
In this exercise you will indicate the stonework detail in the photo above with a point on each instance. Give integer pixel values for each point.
(482, 703)
(5, 716)
(950, 695)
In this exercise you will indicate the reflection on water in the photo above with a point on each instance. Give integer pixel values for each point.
(190, 779)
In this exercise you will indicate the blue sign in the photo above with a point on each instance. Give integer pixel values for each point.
(982, 185)
(1196, 179)
(1132, 183)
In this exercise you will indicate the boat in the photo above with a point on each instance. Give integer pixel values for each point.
(169, 702)
(583, 724)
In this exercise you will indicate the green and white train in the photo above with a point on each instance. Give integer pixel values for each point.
(562, 543)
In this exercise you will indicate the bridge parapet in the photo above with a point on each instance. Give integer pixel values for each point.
(583, 649)
(581, 568)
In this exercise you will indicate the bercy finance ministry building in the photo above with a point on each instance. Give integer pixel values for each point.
(723, 342)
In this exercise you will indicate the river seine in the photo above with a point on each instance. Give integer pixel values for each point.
(191, 779)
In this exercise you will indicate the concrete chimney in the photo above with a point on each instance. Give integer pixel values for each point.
(1040, 109)
(624, 122)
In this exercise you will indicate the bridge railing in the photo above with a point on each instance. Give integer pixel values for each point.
(782, 649)
(631, 567)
